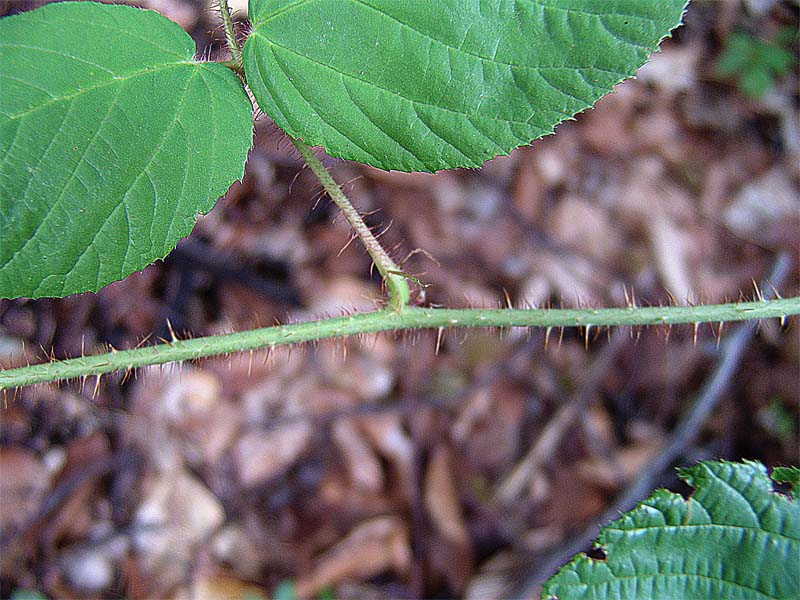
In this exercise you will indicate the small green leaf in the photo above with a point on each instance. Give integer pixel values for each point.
(439, 84)
(23, 594)
(737, 55)
(789, 476)
(756, 81)
(734, 538)
(112, 140)
(286, 590)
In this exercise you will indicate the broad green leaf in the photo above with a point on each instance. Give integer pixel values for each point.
(734, 538)
(438, 84)
(112, 140)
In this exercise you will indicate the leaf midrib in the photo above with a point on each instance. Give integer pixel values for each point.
(472, 55)
(482, 117)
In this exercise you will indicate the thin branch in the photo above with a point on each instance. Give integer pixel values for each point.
(230, 36)
(548, 441)
(399, 293)
(390, 320)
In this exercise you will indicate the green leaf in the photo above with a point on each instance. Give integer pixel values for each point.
(737, 56)
(439, 84)
(756, 81)
(112, 140)
(286, 590)
(23, 594)
(790, 476)
(734, 538)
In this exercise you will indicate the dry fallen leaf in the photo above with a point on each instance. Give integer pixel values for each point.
(177, 514)
(363, 466)
(450, 552)
(387, 434)
(77, 514)
(23, 484)
(261, 455)
(377, 545)
(441, 498)
(218, 586)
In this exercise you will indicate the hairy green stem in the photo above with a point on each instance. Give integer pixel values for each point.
(230, 36)
(390, 320)
(396, 283)
(399, 293)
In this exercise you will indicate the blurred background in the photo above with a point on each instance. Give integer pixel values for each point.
(380, 467)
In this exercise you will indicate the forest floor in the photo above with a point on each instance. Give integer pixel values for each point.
(414, 466)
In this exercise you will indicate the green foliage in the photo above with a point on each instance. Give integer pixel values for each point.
(286, 590)
(789, 476)
(734, 538)
(422, 86)
(21, 594)
(755, 63)
(112, 141)
(778, 420)
(113, 138)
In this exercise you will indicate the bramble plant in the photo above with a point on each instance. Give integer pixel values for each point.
(114, 137)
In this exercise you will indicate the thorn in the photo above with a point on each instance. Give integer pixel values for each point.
(774, 291)
(385, 229)
(627, 298)
(694, 337)
(719, 332)
(171, 331)
(508, 299)
(267, 354)
(586, 338)
(438, 340)
(560, 337)
(759, 293)
(673, 301)
(143, 341)
(547, 337)
(350, 241)
(96, 387)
